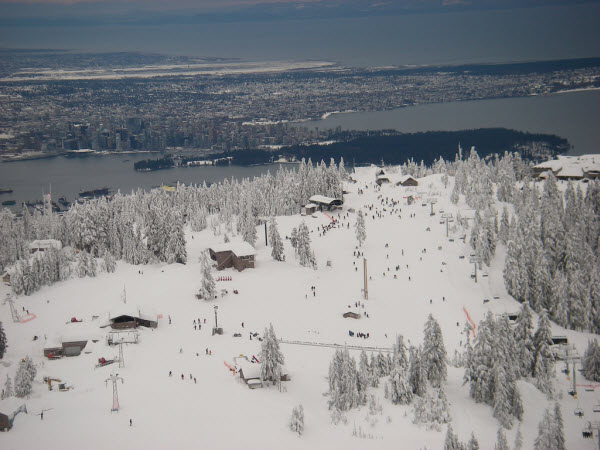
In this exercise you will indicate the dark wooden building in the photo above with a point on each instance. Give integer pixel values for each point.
(132, 319)
(237, 255)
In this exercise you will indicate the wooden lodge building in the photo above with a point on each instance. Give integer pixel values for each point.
(132, 318)
(237, 255)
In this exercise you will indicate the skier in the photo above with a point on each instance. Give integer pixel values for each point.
(182, 377)
(170, 373)
(130, 422)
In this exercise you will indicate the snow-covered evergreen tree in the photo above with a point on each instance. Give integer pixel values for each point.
(558, 429)
(544, 439)
(431, 409)
(297, 420)
(306, 257)
(504, 229)
(343, 381)
(360, 227)
(7, 391)
(501, 442)
(543, 361)
(590, 363)
(518, 439)
(524, 338)
(275, 241)
(3, 343)
(434, 353)
(502, 401)
(24, 377)
(271, 358)
(109, 262)
(451, 442)
(417, 375)
(473, 443)
(208, 289)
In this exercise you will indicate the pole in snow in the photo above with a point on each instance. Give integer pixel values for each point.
(366, 289)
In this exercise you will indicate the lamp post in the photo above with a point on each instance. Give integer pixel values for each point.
(216, 326)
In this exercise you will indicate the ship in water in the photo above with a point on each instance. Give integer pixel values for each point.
(101, 192)
(8, 202)
(5, 190)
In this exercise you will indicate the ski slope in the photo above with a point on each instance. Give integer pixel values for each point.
(220, 412)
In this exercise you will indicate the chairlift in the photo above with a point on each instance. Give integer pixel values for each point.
(579, 412)
(596, 408)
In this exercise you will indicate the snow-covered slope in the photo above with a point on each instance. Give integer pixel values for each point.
(219, 412)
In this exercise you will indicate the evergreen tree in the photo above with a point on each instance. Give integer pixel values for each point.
(8, 389)
(417, 376)
(524, 338)
(519, 439)
(297, 420)
(501, 442)
(504, 230)
(434, 353)
(558, 429)
(343, 381)
(275, 241)
(271, 357)
(3, 343)
(303, 250)
(364, 376)
(451, 442)
(208, 289)
(590, 363)
(502, 403)
(544, 441)
(543, 361)
(360, 227)
(473, 444)
(24, 377)
(109, 262)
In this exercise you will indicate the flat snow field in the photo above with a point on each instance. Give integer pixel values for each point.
(219, 411)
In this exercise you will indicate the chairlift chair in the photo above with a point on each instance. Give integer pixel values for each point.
(596, 408)
(579, 412)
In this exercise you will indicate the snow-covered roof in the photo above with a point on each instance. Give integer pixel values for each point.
(134, 311)
(405, 178)
(239, 248)
(73, 332)
(571, 166)
(251, 370)
(45, 244)
(321, 199)
(310, 205)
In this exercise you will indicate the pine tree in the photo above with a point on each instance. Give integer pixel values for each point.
(109, 262)
(271, 357)
(434, 353)
(519, 439)
(297, 420)
(473, 444)
(208, 289)
(502, 404)
(3, 343)
(451, 442)
(275, 241)
(360, 227)
(8, 388)
(417, 376)
(501, 442)
(306, 256)
(543, 441)
(364, 376)
(25, 375)
(590, 362)
(504, 231)
(524, 338)
(543, 361)
(558, 429)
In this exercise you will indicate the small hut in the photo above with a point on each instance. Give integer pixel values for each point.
(407, 180)
(132, 318)
(15, 406)
(308, 209)
(250, 374)
(351, 315)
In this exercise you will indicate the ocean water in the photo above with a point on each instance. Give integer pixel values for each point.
(542, 33)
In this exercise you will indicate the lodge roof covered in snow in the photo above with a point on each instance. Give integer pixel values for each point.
(571, 167)
(239, 248)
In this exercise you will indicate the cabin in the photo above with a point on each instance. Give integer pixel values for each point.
(351, 315)
(308, 209)
(327, 203)
(250, 374)
(406, 181)
(41, 245)
(237, 255)
(7, 418)
(382, 179)
(583, 167)
(70, 341)
(132, 318)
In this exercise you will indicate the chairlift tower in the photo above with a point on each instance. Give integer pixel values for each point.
(475, 260)
(121, 357)
(432, 201)
(114, 379)
(13, 311)
(448, 218)
(365, 289)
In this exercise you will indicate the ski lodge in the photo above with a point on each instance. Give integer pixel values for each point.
(72, 339)
(237, 255)
(584, 167)
(41, 245)
(327, 203)
(132, 318)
